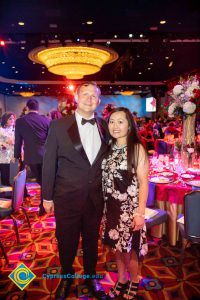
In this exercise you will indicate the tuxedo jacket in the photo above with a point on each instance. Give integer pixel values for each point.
(68, 177)
(31, 131)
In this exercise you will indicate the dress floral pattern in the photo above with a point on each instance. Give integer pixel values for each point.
(121, 200)
(7, 136)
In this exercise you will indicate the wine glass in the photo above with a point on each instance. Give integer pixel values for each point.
(179, 171)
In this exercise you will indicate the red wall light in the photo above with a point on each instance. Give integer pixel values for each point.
(2, 43)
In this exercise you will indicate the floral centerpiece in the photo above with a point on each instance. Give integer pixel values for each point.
(185, 102)
(185, 98)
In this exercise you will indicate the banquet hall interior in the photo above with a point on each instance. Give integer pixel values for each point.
(145, 56)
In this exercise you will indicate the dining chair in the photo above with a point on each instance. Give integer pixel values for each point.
(4, 252)
(6, 191)
(9, 207)
(13, 171)
(153, 216)
(189, 222)
(161, 147)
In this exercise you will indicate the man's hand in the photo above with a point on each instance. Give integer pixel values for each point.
(48, 206)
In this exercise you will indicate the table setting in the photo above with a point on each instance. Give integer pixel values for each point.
(169, 181)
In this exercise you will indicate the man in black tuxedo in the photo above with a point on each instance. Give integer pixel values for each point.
(31, 132)
(72, 185)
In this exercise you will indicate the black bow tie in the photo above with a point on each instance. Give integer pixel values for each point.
(91, 121)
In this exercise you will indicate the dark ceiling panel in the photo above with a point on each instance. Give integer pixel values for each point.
(176, 42)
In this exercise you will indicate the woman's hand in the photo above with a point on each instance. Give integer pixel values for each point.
(138, 223)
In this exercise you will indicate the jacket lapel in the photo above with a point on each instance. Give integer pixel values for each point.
(75, 138)
(102, 130)
(104, 139)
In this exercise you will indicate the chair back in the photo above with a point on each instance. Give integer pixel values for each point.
(18, 189)
(191, 214)
(161, 147)
(151, 195)
(13, 171)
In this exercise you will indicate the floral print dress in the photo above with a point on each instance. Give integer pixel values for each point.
(6, 148)
(121, 200)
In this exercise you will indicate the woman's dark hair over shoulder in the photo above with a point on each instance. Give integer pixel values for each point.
(133, 140)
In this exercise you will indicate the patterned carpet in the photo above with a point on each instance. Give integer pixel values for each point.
(38, 251)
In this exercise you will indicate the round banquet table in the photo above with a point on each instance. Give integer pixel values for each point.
(170, 197)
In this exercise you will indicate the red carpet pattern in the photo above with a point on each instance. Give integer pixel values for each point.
(38, 251)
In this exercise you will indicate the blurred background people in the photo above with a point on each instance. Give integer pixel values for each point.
(31, 133)
(7, 136)
(54, 115)
(171, 130)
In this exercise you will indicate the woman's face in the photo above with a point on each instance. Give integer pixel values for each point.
(11, 121)
(118, 126)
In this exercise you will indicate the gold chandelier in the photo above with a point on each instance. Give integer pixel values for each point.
(27, 94)
(74, 60)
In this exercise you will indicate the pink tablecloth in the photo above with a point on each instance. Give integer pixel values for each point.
(173, 193)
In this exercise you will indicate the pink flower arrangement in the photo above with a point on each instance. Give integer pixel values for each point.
(190, 148)
(184, 97)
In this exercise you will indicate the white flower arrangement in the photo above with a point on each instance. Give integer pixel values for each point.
(184, 97)
(177, 90)
(172, 109)
(190, 150)
(189, 107)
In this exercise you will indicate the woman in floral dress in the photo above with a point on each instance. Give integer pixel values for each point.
(125, 187)
(7, 137)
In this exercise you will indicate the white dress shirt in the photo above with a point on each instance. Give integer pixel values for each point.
(90, 137)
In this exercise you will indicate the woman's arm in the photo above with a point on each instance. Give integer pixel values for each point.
(142, 175)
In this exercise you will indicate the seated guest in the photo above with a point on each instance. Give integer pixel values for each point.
(171, 129)
(158, 126)
(149, 137)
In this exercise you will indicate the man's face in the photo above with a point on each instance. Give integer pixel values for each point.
(87, 100)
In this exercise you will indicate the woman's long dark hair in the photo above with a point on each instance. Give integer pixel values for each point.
(133, 139)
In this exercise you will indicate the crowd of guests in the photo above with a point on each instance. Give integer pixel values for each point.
(89, 167)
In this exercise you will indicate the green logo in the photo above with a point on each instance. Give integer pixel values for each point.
(22, 276)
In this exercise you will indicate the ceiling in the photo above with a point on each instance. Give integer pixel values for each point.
(163, 53)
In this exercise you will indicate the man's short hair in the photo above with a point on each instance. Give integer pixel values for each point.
(88, 83)
(32, 104)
